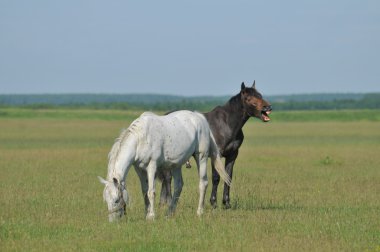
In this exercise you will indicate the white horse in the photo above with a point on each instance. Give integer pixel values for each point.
(155, 142)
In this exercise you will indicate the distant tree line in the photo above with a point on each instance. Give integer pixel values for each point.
(368, 101)
(201, 103)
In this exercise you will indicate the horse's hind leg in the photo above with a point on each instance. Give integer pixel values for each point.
(215, 183)
(166, 192)
(202, 170)
(178, 184)
(163, 192)
(144, 186)
(230, 161)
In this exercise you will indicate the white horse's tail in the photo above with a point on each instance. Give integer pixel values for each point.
(217, 161)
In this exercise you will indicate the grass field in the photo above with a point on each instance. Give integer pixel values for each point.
(307, 181)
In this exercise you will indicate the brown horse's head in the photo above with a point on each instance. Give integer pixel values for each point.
(254, 104)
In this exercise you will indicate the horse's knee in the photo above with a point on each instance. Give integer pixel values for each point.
(178, 185)
(151, 194)
(181, 183)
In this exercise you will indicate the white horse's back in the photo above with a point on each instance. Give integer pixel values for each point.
(170, 139)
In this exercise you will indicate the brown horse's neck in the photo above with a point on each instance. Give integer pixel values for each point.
(237, 114)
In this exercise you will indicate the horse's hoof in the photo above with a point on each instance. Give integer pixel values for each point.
(214, 205)
(150, 217)
(213, 202)
(170, 212)
(227, 205)
(162, 203)
(200, 211)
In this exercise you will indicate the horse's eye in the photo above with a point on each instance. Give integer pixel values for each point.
(117, 201)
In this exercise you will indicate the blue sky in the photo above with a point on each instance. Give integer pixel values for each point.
(189, 47)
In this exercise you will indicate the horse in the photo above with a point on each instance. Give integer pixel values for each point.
(226, 123)
(156, 143)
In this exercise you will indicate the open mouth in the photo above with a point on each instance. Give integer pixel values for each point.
(265, 116)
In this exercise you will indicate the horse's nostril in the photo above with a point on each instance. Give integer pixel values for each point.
(268, 108)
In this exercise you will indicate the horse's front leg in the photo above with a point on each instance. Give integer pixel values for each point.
(202, 170)
(230, 161)
(151, 171)
(178, 184)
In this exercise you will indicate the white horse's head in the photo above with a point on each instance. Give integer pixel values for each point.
(116, 197)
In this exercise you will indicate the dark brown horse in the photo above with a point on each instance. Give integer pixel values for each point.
(226, 123)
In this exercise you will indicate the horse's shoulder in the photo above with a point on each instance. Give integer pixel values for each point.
(217, 115)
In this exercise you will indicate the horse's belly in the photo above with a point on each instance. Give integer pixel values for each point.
(170, 143)
(178, 154)
(171, 165)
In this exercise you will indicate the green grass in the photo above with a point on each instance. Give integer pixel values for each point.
(327, 115)
(66, 114)
(111, 115)
(297, 186)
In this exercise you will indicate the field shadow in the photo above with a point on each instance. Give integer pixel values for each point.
(3, 113)
(255, 204)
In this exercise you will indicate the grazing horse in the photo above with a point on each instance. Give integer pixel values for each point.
(226, 123)
(156, 143)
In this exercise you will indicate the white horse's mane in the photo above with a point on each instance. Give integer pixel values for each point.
(135, 129)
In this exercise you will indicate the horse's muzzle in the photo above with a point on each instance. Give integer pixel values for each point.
(265, 113)
(267, 109)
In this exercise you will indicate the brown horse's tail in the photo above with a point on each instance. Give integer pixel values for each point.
(217, 161)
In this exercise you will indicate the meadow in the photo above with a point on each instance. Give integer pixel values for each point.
(307, 181)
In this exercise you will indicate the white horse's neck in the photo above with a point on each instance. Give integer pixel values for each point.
(121, 157)
(115, 172)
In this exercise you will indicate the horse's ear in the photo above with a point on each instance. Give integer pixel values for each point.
(242, 86)
(254, 84)
(102, 180)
